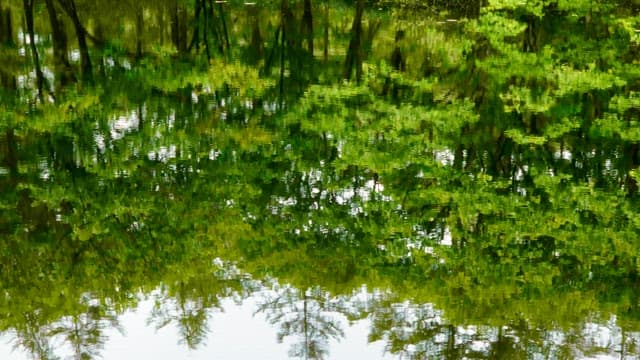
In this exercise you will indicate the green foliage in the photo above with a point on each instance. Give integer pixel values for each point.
(493, 180)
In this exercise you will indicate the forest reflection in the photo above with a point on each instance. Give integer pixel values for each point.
(460, 175)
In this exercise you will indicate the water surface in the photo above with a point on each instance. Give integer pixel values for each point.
(319, 180)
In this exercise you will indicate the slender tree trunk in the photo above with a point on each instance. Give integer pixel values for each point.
(354, 53)
(205, 29)
(283, 39)
(307, 25)
(139, 30)
(175, 24)
(224, 27)
(60, 47)
(256, 37)
(179, 27)
(28, 13)
(195, 39)
(7, 80)
(326, 33)
(6, 26)
(162, 19)
(269, 61)
(182, 29)
(291, 40)
(69, 7)
(216, 27)
(11, 159)
(3, 27)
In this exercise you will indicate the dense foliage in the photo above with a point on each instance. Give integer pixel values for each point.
(475, 165)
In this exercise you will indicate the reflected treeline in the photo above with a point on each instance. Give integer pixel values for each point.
(474, 166)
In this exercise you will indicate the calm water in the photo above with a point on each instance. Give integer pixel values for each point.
(335, 180)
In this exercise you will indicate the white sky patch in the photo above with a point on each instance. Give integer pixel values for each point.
(74, 55)
(564, 155)
(445, 157)
(446, 238)
(121, 125)
(213, 154)
(43, 166)
(100, 144)
(163, 154)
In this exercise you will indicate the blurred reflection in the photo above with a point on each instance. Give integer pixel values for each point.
(309, 316)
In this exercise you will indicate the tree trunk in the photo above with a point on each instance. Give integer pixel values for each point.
(256, 37)
(326, 33)
(283, 40)
(307, 25)
(69, 7)
(3, 27)
(205, 29)
(179, 27)
(216, 27)
(11, 158)
(139, 30)
(28, 13)
(175, 22)
(195, 38)
(354, 53)
(7, 80)
(60, 47)
(291, 39)
(224, 27)
(269, 60)
(6, 26)
(182, 29)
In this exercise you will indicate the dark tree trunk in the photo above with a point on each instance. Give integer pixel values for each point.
(139, 30)
(224, 27)
(7, 80)
(288, 23)
(256, 37)
(6, 26)
(195, 38)
(175, 25)
(60, 46)
(215, 27)
(205, 31)
(6, 31)
(398, 62)
(307, 25)
(326, 33)
(11, 158)
(269, 61)
(3, 27)
(284, 9)
(182, 29)
(28, 13)
(291, 39)
(179, 27)
(69, 7)
(354, 53)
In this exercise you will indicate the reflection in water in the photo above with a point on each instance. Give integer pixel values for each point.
(307, 315)
(312, 322)
(461, 179)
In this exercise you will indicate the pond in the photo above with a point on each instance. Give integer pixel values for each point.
(319, 180)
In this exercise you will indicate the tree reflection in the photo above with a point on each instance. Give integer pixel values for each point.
(189, 300)
(307, 315)
(35, 338)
